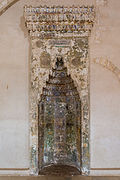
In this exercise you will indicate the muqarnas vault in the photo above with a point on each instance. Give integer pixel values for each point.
(59, 124)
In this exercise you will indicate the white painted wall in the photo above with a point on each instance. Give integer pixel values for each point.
(14, 152)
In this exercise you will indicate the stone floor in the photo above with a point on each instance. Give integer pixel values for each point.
(59, 178)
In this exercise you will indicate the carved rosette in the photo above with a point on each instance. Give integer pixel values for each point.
(59, 32)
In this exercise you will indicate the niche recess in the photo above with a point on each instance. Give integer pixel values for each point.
(59, 124)
(57, 32)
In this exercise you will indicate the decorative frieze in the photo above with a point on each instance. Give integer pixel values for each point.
(59, 19)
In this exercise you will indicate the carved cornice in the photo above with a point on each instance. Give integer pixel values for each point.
(59, 20)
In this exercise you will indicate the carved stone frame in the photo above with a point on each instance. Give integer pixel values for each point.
(49, 39)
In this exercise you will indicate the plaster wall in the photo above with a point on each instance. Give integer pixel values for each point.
(104, 88)
(105, 94)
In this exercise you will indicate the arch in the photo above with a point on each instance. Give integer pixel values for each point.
(107, 64)
(5, 4)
